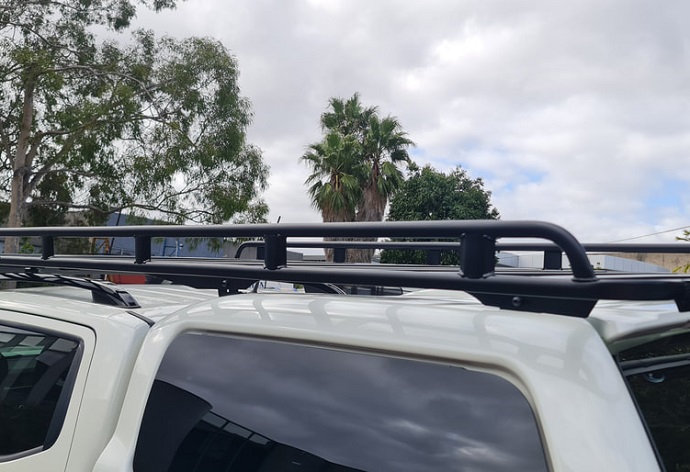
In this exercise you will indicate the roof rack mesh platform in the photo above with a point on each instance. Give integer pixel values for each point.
(574, 294)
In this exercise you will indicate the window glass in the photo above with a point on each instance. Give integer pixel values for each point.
(658, 374)
(34, 377)
(232, 404)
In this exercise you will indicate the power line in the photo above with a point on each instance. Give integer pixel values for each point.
(650, 234)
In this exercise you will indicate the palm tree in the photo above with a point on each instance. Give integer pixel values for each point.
(334, 182)
(384, 150)
(356, 168)
(383, 146)
(347, 117)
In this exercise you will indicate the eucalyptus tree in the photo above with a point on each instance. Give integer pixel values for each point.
(152, 125)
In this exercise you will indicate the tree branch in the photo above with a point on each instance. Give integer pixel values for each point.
(191, 215)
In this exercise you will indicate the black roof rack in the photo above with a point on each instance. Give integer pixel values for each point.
(100, 292)
(575, 294)
(433, 249)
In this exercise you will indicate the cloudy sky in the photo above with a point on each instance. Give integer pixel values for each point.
(572, 112)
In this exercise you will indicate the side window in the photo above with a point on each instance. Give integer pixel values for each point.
(36, 369)
(222, 403)
(658, 374)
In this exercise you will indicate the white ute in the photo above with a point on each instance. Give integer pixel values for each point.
(471, 368)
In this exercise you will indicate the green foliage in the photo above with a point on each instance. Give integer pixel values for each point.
(334, 185)
(155, 126)
(432, 195)
(356, 167)
(26, 247)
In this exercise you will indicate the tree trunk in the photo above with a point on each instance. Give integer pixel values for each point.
(17, 197)
(371, 208)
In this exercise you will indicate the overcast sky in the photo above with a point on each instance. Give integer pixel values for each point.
(576, 113)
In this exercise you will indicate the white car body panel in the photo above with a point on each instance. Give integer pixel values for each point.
(587, 418)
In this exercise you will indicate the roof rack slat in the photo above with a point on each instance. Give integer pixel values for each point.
(142, 248)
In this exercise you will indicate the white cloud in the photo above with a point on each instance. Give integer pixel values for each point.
(577, 113)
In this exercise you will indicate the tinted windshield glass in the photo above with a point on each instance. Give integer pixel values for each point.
(659, 377)
(230, 404)
(34, 370)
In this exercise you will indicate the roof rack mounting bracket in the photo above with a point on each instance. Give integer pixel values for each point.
(683, 302)
(477, 255)
(580, 308)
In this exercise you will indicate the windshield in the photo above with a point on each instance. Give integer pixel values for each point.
(658, 374)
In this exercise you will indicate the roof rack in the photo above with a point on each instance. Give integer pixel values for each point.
(553, 259)
(574, 295)
(100, 292)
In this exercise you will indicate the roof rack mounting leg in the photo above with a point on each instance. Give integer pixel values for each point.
(477, 255)
(276, 251)
(142, 249)
(48, 249)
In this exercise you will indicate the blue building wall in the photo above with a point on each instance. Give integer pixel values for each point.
(170, 247)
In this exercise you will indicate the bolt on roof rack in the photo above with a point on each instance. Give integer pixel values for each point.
(100, 292)
(574, 295)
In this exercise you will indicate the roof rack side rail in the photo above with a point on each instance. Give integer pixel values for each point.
(479, 237)
(552, 253)
(100, 292)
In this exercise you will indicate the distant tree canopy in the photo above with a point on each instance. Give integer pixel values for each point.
(357, 165)
(428, 194)
(155, 126)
